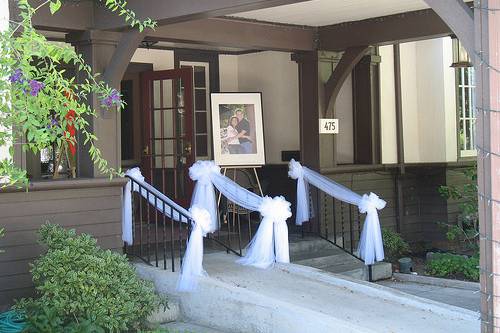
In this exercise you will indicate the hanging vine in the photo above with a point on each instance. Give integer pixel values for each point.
(39, 104)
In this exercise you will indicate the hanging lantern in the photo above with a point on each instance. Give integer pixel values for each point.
(460, 56)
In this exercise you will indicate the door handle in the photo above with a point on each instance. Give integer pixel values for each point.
(188, 148)
(146, 150)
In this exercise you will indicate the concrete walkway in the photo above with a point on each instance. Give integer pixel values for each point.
(292, 298)
(467, 297)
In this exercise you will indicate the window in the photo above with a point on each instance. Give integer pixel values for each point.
(465, 109)
(202, 124)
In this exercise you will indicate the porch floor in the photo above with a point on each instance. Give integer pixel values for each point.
(294, 298)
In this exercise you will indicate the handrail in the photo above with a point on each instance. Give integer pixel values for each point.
(160, 243)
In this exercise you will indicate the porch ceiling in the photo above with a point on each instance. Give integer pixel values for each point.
(327, 12)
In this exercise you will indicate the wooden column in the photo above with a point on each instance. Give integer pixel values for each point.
(366, 110)
(487, 47)
(97, 49)
(308, 107)
(309, 119)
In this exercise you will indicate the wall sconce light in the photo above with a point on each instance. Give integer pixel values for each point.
(460, 56)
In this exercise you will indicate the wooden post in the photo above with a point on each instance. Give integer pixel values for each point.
(487, 47)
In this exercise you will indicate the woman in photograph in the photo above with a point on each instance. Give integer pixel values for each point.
(231, 139)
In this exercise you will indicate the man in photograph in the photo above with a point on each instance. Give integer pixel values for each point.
(243, 129)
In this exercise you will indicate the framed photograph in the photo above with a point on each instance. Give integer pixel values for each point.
(238, 132)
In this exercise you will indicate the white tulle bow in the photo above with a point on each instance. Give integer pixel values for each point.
(371, 202)
(277, 209)
(201, 171)
(295, 170)
(201, 219)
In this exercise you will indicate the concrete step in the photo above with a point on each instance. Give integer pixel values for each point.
(321, 254)
(293, 298)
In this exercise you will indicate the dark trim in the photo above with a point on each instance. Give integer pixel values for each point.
(210, 57)
(420, 24)
(399, 107)
(195, 49)
(67, 184)
(238, 34)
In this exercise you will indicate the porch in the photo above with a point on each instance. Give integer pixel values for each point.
(307, 67)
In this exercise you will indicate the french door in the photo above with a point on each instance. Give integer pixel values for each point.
(167, 108)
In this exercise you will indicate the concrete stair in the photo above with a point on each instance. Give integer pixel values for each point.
(321, 254)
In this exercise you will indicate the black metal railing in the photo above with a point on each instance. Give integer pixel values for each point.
(158, 238)
(234, 231)
(340, 224)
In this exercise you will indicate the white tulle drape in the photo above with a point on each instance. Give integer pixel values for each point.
(192, 264)
(370, 246)
(270, 243)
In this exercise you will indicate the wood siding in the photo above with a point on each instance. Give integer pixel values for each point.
(90, 206)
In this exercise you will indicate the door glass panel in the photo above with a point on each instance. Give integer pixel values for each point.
(201, 145)
(156, 94)
(167, 93)
(200, 99)
(201, 122)
(166, 152)
(168, 124)
(199, 76)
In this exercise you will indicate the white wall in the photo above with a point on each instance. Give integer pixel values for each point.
(228, 73)
(409, 101)
(276, 76)
(161, 59)
(428, 101)
(388, 134)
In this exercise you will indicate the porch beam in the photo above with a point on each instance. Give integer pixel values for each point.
(410, 26)
(121, 57)
(174, 11)
(238, 33)
(332, 88)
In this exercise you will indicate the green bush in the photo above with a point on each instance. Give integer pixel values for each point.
(394, 245)
(84, 288)
(453, 265)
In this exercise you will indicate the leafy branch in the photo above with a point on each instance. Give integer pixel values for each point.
(36, 98)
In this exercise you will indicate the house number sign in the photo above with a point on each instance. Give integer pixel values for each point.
(328, 126)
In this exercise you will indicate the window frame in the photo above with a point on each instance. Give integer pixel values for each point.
(206, 65)
(460, 86)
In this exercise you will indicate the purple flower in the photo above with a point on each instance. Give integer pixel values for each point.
(35, 86)
(16, 77)
(112, 99)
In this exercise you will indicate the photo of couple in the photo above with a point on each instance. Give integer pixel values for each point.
(237, 124)
(238, 131)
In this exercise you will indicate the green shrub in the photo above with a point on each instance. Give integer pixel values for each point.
(84, 288)
(394, 245)
(453, 265)
(466, 230)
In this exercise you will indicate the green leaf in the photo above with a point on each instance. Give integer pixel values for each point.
(54, 6)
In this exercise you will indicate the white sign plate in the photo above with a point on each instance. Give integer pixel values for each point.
(328, 126)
